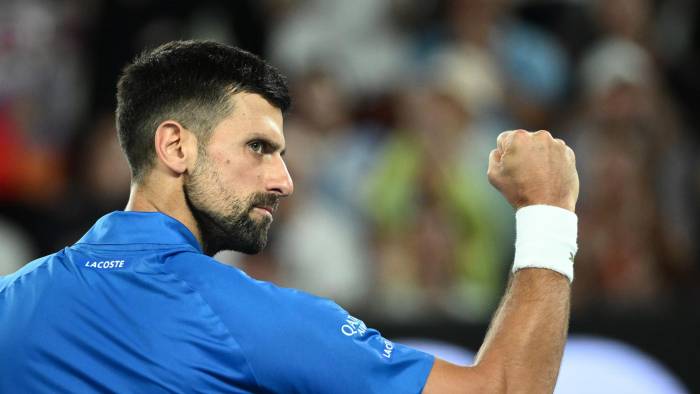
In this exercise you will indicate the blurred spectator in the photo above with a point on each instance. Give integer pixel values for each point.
(42, 93)
(16, 248)
(101, 179)
(635, 222)
(357, 42)
(436, 218)
(323, 236)
(528, 67)
(626, 19)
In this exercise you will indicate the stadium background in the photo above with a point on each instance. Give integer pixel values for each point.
(396, 106)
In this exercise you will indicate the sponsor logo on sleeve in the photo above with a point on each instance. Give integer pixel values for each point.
(388, 348)
(356, 328)
(353, 327)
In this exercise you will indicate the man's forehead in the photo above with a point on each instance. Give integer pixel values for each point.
(253, 113)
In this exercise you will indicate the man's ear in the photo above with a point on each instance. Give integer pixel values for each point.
(176, 147)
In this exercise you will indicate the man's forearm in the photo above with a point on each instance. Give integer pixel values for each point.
(525, 342)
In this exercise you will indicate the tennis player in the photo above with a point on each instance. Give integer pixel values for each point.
(138, 305)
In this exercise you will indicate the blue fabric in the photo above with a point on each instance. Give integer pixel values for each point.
(135, 307)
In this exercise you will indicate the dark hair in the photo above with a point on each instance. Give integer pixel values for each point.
(190, 82)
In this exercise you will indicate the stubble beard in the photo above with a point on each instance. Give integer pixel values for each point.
(219, 231)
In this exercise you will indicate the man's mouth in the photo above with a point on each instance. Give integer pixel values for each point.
(266, 204)
(268, 209)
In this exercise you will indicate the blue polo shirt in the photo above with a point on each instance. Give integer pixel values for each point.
(136, 307)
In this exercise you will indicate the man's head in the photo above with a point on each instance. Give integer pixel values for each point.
(209, 116)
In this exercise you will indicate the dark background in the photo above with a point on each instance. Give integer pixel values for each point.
(396, 106)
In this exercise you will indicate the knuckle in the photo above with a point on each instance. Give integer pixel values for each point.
(519, 135)
(503, 135)
(543, 133)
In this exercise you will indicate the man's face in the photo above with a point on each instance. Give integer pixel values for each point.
(239, 177)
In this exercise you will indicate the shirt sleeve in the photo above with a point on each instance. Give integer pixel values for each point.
(295, 342)
(299, 343)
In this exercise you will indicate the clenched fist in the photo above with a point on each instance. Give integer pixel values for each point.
(534, 168)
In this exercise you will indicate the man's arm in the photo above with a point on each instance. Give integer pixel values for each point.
(524, 345)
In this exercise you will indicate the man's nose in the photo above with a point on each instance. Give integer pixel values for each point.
(279, 181)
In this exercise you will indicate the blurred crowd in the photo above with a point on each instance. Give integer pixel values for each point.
(396, 105)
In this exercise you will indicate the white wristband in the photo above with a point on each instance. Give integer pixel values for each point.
(546, 238)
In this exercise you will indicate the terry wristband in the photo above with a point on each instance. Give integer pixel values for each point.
(546, 238)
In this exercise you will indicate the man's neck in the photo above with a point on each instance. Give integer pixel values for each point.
(159, 199)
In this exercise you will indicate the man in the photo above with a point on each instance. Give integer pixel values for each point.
(137, 305)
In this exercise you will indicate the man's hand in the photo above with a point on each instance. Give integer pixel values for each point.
(534, 168)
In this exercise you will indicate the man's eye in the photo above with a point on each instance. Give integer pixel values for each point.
(256, 146)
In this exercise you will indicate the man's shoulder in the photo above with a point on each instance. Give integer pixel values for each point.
(233, 294)
(201, 271)
(209, 276)
(33, 267)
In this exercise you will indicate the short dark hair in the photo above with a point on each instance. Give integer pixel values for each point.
(191, 82)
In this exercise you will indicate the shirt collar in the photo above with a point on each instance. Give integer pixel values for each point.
(132, 227)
